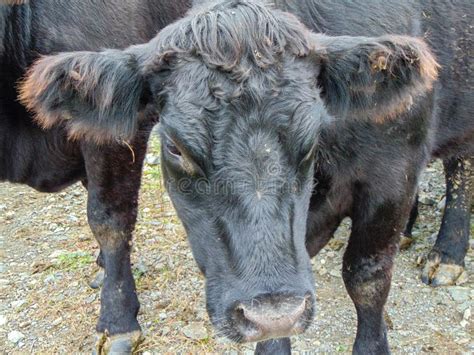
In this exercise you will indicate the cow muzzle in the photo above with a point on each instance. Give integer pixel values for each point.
(271, 317)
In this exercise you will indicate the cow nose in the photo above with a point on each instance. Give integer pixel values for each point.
(272, 317)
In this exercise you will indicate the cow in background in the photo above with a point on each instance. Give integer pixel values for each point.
(49, 161)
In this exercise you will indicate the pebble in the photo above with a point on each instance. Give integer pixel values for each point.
(459, 294)
(195, 331)
(427, 201)
(49, 279)
(467, 314)
(18, 304)
(152, 159)
(57, 321)
(442, 204)
(15, 336)
(91, 298)
(335, 273)
(25, 324)
(3, 320)
(464, 306)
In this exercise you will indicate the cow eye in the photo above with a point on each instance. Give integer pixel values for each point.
(181, 159)
(172, 148)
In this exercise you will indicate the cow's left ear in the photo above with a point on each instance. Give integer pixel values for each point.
(373, 78)
(97, 94)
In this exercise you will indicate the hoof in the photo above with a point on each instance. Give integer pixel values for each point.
(405, 242)
(98, 280)
(118, 344)
(435, 273)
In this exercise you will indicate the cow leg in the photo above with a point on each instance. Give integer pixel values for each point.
(367, 267)
(445, 262)
(406, 238)
(274, 346)
(114, 174)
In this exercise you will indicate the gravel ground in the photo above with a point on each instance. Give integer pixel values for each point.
(47, 258)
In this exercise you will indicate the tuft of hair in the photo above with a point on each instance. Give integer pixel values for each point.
(96, 94)
(376, 77)
(232, 36)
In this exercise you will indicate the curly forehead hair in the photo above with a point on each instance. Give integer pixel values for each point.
(232, 36)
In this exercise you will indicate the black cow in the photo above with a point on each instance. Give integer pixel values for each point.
(272, 134)
(48, 161)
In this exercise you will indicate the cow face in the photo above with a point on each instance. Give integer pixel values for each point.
(239, 170)
(243, 92)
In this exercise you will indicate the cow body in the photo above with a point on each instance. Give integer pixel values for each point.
(48, 161)
(271, 135)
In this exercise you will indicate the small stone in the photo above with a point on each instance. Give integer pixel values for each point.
(335, 273)
(459, 294)
(15, 336)
(195, 331)
(57, 321)
(25, 324)
(3, 320)
(462, 279)
(9, 215)
(163, 315)
(90, 299)
(18, 304)
(49, 279)
(467, 314)
(165, 330)
(464, 306)
(464, 323)
(152, 159)
(442, 204)
(427, 201)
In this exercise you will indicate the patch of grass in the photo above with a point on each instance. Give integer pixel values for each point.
(342, 348)
(75, 260)
(154, 145)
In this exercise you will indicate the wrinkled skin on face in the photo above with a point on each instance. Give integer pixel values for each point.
(243, 93)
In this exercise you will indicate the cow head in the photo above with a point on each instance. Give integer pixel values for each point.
(243, 93)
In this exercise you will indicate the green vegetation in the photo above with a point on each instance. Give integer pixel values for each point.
(74, 260)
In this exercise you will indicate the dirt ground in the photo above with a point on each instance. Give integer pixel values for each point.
(47, 259)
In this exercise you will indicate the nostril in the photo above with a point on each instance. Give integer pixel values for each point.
(270, 317)
(239, 312)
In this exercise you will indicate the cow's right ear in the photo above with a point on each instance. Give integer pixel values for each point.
(99, 94)
(373, 78)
